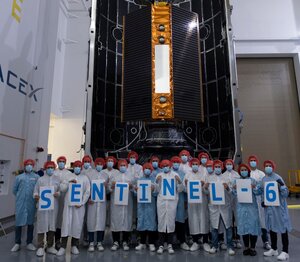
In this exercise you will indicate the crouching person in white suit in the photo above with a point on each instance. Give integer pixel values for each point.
(46, 219)
(73, 215)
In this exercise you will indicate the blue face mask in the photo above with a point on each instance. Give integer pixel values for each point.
(203, 161)
(77, 170)
(195, 168)
(218, 170)
(253, 164)
(110, 164)
(166, 169)
(155, 164)
(209, 170)
(123, 169)
(132, 161)
(268, 170)
(184, 159)
(147, 172)
(176, 166)
(99, 168)
(229, 167)
(244, 173)
(61, 165)
(50, 171)
(28, 168)
(86, 165)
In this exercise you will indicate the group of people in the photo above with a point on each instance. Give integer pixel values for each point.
(158, 221)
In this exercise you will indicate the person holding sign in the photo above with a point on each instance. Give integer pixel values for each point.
(258, 175)
(25, 205)
(185, 157)
(181, 213)
(203, 158)
(277, 216)
(146, 208)
(220, 206)
(233, 175)
(155, 164)
(46, 192)
(121, 205)
(197, 205)
(96, 210)
(248, 225)
(77, 189)
(63, 174)
(169, 184)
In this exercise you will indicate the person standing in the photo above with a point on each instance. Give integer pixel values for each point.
(277, 217)
(46, 219)
(73, 216)
(258, 175)
(25, 204)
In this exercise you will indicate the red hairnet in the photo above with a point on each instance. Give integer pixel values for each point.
(87, 158)
(175, 159)
(271, 162)
(111, 158)
(218, 162)
(147, 166)
(184, 152)
(203, 154)
(100, 161)
(133, 154)
(165, 162)
(61, 159)
(194, 160)
(122, 162)
(29, 162)
(77, 163)
(229, 161)
(49, 164)
(246, 166)
(253, 156)
(154, 158)
(210, 163)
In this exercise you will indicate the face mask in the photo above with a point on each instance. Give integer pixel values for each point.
(176, 166)
(268, 170)
(209, 170)
(110, 164)
(50, 171)
(203, 161)
(229, 167)
(184, 159)
(218, 170)
(28, 168)
(123, 169)
(195, 168)
(166, 169)
(244, 173)
(132, 161)
(147, 172)
(61, 165)
(253, 164)
(99, 168)
(155, 164)
(86, 165)
(77, 170)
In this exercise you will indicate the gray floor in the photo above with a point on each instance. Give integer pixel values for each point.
(6, 243)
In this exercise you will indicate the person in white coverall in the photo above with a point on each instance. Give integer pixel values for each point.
(46, 219)
(63, 174)
(220, 213)
(198, 212)
(203, 158)
(233, 175)
(73, 215)
(121, 215)
(96, 212)
(185, 157)
(166, 209)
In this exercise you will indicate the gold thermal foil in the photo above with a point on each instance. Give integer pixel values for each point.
(161, 15)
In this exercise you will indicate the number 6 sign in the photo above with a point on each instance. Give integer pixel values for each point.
(271, 194)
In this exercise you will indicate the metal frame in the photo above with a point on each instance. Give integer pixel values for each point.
(233, 83)
(90, 82)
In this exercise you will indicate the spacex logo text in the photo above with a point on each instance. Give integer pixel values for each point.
(17, 83)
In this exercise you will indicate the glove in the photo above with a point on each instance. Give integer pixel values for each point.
(280, 182)
(263, 204)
